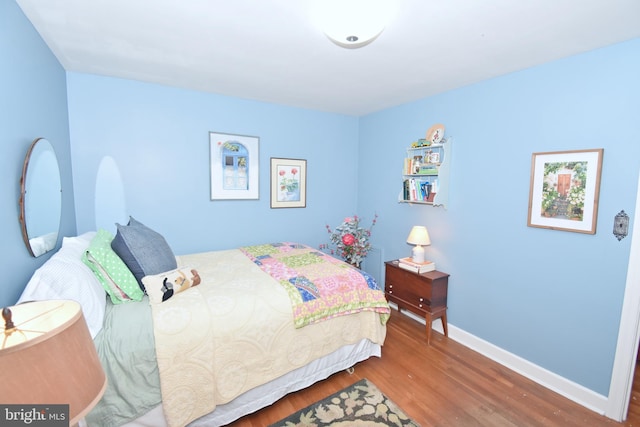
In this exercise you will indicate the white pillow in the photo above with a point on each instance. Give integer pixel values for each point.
(65, 276)
(43, 244)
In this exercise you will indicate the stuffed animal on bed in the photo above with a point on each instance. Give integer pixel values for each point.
(161, 287)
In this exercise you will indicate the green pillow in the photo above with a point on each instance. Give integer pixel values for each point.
(112, 272)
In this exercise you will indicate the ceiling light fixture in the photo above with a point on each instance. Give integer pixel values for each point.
(351, 23)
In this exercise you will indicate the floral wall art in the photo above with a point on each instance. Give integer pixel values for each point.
(288, 183)
(564, 190)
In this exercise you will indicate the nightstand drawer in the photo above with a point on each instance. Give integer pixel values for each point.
(412, 291)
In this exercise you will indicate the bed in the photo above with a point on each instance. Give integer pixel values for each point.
(263, 321)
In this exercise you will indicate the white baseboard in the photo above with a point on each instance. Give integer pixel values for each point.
(569, 389)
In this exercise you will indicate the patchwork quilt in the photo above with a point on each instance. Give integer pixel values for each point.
(319, 286)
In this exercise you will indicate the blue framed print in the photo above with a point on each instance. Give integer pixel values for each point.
(235, 166)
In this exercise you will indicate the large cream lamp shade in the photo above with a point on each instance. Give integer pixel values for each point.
(47, 356)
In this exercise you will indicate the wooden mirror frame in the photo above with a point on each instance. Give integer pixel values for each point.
(49, 239)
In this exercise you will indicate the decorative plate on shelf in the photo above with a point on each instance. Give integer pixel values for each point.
(435, 133)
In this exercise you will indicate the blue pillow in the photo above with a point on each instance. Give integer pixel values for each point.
(143, 250)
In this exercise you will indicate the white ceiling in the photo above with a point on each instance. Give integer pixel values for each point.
(269, 50)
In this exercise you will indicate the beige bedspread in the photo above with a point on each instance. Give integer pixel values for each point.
(234, 332)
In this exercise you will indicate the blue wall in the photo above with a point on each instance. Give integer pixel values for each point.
(551, 297)
(158, 138)
(34, 104)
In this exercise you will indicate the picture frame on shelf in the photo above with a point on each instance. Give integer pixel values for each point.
(564, 190)
(288, 183)
(234, 163)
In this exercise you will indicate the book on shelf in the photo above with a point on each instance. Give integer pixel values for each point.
(417, 190)
(406, 169)
(428, 170)
(411, 167)
(416, 267)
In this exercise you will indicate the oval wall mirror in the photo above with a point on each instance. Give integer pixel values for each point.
(40, 198)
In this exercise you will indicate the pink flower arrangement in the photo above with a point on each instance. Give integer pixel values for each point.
(350, 241)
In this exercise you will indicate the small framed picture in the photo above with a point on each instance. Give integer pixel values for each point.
(564, 190)
(434, 157)
(234, 165)
(288, 183)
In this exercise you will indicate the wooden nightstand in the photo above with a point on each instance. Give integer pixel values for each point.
(423, 294)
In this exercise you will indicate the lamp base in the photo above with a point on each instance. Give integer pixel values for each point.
(418, 254)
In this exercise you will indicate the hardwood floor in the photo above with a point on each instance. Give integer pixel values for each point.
(447, 384)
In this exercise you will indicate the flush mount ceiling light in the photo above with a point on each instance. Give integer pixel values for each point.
(351, 23)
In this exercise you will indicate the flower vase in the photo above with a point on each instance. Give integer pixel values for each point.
(293, 196)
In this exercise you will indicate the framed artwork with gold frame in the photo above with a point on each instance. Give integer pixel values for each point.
(564, 190)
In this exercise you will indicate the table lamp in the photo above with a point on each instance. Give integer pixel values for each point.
(47, 357)
(418, 236)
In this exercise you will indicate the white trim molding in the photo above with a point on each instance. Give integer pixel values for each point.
(624, 364)
(569, 389)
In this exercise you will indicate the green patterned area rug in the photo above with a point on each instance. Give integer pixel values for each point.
(360, 404)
